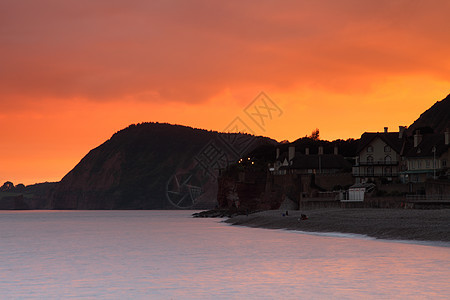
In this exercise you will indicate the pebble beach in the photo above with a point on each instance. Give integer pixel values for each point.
(393, 224)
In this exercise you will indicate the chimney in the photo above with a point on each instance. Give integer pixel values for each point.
(417, 138)
(307, 151)
(278, 153)
(447, 136)
(320, 150)
(401, 131)
(336, 150)
(385, 130)
(291, 152)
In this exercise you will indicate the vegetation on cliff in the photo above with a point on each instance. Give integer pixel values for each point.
(132, 169)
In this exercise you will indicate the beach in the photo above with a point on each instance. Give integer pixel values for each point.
(394, 224)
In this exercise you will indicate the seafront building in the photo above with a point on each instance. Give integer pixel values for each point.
(296, 162)
(394, 157)
(379, 156)
(428, 158)
(387, 163)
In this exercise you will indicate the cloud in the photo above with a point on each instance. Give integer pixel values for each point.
(193, 51)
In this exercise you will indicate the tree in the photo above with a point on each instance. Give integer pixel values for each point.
(7, 186)
(19, 187)
(314, 135)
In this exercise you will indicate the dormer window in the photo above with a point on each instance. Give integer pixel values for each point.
(387, 149)
(369, 149)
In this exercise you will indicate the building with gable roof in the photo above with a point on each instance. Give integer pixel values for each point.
(428, 157)
(379, 156)
(294, 162)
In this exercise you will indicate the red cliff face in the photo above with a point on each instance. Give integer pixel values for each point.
(78, 187)
(248, 190)
(141, 167)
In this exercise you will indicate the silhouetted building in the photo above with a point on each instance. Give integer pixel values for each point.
(427, 157)
(379, 156)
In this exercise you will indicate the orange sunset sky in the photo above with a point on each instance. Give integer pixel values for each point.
(74, 72)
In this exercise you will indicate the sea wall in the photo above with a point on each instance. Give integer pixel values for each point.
(330, 181)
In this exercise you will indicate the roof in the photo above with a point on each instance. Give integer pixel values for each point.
(282, 157)
(390, 138)
(326, 161)
(425, 148)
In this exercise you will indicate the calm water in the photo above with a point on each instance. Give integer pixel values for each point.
(168, 255)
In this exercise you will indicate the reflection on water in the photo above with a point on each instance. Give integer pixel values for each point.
(167, 254)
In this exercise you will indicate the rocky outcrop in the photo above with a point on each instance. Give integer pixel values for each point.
(248, 190)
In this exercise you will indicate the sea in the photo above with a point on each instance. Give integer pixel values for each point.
(170, 255)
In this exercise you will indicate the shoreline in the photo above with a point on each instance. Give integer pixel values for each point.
(387, 224)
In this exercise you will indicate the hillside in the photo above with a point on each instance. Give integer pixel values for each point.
(152, 166)
(35, 196)
(436, 117)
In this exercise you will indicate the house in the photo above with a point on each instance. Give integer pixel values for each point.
(379, 156)
(305, 163)
(428, 157)
(314, 172)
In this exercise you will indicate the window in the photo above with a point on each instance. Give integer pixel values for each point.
(370, 159)
(387, 149)
(419, 164)
(370, 149)
(370, 171)
(444, 163)
(387, 159)
(388, 171)
(428, 163)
